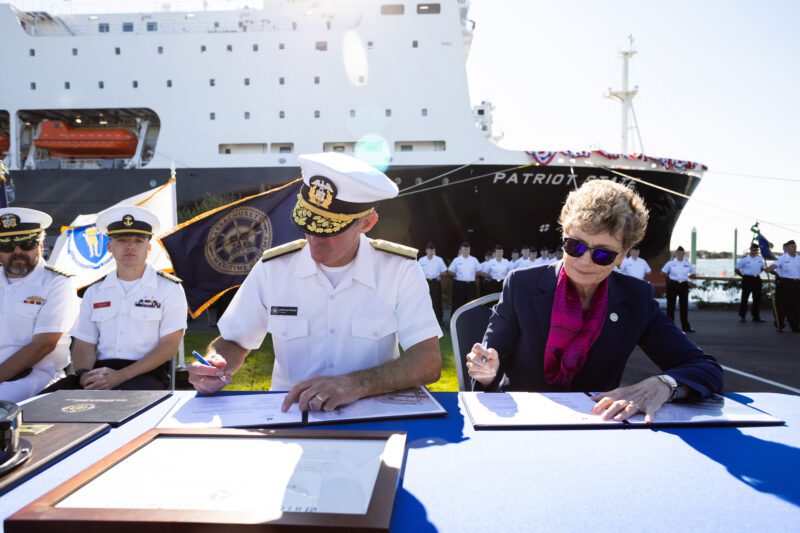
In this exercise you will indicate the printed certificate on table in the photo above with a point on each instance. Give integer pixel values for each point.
(249, 480)
(231, 410)
(501, 410)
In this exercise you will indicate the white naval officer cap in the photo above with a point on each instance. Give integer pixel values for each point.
(337, 189)
(128, 220)
(20, 223)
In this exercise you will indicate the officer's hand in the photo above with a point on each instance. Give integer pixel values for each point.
(101, 379)
(209, 379)
(482, 364)
(322, 393)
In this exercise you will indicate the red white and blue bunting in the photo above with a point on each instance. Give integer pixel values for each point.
(678, 165)
(543, 158)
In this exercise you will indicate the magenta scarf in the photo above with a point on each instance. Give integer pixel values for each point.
(572, 330)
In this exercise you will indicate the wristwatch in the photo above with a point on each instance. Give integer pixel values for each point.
(670, 382)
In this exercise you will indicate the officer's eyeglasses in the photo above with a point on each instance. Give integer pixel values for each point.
(25, 246)
(600, 256)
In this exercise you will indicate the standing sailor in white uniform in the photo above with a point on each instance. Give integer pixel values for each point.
(678, 272)
(335, 303)
(434, 269)
(634, 265)
(750, 268)
(38, 306)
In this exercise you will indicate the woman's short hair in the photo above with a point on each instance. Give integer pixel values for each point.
(603, 205)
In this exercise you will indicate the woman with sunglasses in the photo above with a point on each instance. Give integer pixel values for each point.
(572, 325)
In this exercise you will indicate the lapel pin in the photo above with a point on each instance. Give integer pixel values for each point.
(614, 317)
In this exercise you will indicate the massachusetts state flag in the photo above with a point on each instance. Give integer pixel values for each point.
(81, 249)
(214, 252)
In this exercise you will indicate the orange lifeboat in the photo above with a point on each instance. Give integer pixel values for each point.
(62, 140)
(5, 143)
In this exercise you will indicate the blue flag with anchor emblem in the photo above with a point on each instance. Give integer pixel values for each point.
(215, 251)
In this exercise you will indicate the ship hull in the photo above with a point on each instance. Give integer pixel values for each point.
(483, 204)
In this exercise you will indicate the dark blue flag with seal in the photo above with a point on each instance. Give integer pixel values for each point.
(765, 247)
(214, 252)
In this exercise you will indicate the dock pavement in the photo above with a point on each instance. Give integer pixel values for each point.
(755, 357)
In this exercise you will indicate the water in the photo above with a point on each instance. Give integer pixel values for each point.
(716, 292)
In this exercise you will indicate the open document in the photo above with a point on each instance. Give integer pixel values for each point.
(401, 404)
(574, 410)
(264, 409)
(231, 410)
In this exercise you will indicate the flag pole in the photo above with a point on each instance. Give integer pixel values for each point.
(181, 367)
(3, 191)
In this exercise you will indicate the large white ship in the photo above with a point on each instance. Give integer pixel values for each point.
(98, 107)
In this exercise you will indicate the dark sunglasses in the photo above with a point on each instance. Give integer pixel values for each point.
(600, 256)
(25, 246)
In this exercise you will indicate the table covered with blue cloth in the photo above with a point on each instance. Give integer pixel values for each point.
(460, 479)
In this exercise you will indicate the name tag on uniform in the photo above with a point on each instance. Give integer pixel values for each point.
(150, 304)
(283, 311)
(100, 305)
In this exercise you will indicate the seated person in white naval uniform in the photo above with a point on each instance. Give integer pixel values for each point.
(335, 303)
(132, 320)
(38, 306)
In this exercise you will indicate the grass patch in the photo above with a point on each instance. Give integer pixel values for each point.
(256, 373)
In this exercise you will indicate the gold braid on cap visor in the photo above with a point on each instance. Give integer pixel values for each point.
(322, 221)
(17, 236)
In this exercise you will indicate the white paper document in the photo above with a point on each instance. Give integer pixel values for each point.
(231, 410)
(509, 409)
(400, 404)
(269, 475)
(574, 409)
(716, 410)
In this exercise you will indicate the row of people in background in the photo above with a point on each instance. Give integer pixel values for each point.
(469, 275)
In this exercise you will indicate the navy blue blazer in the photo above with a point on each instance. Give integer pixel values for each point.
(520, 323)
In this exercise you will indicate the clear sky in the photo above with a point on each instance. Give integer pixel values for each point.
(718, 84)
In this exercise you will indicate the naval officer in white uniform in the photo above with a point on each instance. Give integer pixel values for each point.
(132, 320)
(335, 303)
(434, 269)
(38, 306)
(678, 272)
(634, 265)
(750, 268)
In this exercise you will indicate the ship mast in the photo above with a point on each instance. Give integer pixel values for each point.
(625, 97)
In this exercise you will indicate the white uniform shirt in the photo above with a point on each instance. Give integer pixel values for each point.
(637, 268)
(320, 330)
(41, 302)
(523, 262)
(129, 326)
(433, 268)
(541, 261)
(788, 266)
(498, 270)
(678, 270)
(750, 266)
(465, 268)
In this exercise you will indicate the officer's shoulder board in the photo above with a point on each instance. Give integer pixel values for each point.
(283, 249)
(58, 271)
(394, 248)
(169, 277)
(82, 290)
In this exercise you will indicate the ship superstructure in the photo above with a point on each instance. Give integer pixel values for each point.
(230, 98)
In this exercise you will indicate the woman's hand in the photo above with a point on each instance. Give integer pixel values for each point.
(482, 364)
(645, 397)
